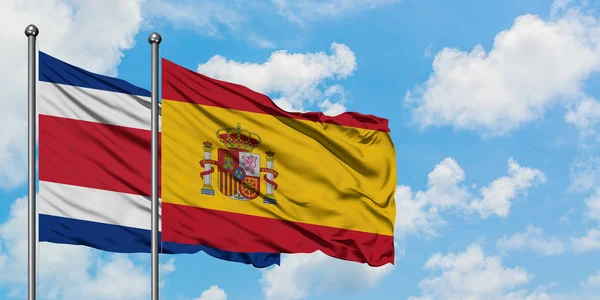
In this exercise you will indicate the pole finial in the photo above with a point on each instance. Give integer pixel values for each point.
(154, 38)
(31, 30)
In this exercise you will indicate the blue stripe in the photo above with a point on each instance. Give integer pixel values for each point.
(207, 192)
(123, 239)
(57, 71)
(269, 201)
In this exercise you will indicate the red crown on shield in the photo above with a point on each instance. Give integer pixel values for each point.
(238, 138)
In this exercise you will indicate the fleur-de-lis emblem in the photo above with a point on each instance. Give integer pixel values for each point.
(238, 174)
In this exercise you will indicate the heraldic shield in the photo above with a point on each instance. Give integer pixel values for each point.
(239, 169)
(239, 174)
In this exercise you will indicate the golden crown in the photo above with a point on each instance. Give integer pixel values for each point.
(238, 138)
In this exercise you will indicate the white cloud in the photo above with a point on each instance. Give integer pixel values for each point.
(335, 98)
(587, 243)
(65, 271)
(70, 30)
(585, 116)
(532, 66)
(415, 214)
(301, 11)
(443, 184)
(585, 174)
(428, 52)
(292, 79)
(117, 278)
(261, 42)
(302, 274)
(471, 275)
(523, 295)
(591, 241)
(286, 105)
(593, 282)
(167, 267)
(559, 6)
(214, 18)
(532, 239)
(497, 196)
(213, 293)
(420, 211)
(203, 17)
(593, 206)
(331, 109)
(164, 269)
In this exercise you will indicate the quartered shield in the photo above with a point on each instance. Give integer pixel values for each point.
(239, 174)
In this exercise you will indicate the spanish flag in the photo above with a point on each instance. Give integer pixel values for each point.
(241, 174)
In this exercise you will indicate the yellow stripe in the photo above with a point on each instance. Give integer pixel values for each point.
(329, 175)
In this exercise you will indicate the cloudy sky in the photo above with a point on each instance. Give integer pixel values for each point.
(493, 108)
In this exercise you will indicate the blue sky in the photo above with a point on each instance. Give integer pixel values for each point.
(493, 111)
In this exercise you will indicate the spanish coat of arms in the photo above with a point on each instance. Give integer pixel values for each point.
(239, 170)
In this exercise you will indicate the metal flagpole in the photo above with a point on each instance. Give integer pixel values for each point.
(31, 32)
(154, 39)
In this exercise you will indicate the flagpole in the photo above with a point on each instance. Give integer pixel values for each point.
(31, 32)
(154, 39)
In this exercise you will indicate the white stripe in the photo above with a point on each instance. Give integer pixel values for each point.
(95, 205)
(93, 105)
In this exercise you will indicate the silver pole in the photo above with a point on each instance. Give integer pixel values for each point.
(154, 39)
(31, 32)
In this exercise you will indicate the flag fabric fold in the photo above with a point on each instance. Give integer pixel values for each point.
(94, 165)
(243, 175)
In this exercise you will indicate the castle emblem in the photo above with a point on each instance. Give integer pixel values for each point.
(239, 170)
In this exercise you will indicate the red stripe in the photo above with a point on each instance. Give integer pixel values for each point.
(233, 185)
(226, 183)
(223, 183)
(234, 188)
(220, 181)
(229, 185)
(95, 155)
(225, 189)
(243, 233)
(181, 84)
